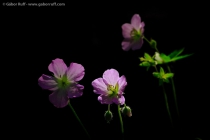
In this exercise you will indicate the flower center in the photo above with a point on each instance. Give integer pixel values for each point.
(136, 35)
(63, 82)
(113, 90)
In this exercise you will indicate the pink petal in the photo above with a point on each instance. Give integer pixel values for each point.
(75, 72)
(122, 83)
(142, 24)
(126, 45)
(136, 21)
(103, 99)
(75, 91)
(126, 30)
(120, 100)
(142, 28)
(47, 82)
(59, 98)
(110, 77)
(99, 86)
(58, 67)
(137, 45)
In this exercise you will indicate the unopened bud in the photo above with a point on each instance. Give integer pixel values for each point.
(127, 111)
(158, 59)
(108, 116)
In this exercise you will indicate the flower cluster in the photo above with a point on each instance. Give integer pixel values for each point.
(110, 87)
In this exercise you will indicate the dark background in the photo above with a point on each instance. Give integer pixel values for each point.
(90, 34)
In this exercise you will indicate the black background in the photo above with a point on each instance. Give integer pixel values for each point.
(90, 34)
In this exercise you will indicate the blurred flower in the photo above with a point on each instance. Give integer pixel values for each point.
(110, 87)
(133, 34)
(64, 82)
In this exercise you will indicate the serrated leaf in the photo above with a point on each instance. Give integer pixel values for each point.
(145, 64)
(179, 52)
(181, 57)
(173, 54)
(165, 58)
(168, 75)
(156, 74)
(162, 71)
(148, 57)
(176, 53)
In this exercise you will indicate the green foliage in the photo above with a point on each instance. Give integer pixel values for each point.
(162, 76)
(172, 57)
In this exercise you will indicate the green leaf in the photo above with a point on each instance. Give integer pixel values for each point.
(141, 59)
(165, 58)
(148, 57)
(156, 74)
(176, 53)
(168, 75)
(180, 57)
(162, 71)
(153, 44)
(145, 64)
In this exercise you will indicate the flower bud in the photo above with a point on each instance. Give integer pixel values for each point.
(158, 59)
(108, 116)
(153, 44)
(127, 111)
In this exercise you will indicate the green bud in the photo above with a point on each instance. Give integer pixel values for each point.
(153, 44)
(126, 111)
(108, 116)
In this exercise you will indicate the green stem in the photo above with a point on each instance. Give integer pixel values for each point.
(109, 107)
(166, 100)
(146, 39)
(79, 120)
(156, 68)
(121, 122)
(174, 91)
(167, 106)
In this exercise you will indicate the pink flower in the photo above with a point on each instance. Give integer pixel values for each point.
(133, 34)
(64, 83)
(110, 87)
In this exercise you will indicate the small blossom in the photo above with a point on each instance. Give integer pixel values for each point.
(110, 87)
(64, 83)
(133, 34)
